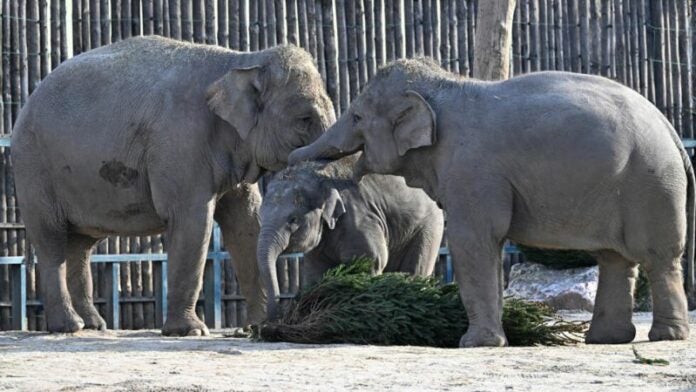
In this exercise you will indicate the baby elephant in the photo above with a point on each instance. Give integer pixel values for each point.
(317, 208)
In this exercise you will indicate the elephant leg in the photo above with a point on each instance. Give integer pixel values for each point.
(476, 235)
(370, 243)
(79, 277)
(188, 236)
(670, 314)
(50, 247)
(611, 318)
(423, 251)
(237, 215)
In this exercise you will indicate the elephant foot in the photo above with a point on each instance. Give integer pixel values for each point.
(186, 326)
(63, 321)
(483, 337)
(92, 319)
(663, 331)
(600, 333)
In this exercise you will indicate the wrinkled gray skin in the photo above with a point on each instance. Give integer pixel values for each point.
(550, 159)
(318, 208)
(151, 135)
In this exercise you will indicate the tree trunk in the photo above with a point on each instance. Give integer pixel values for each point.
(493, 39)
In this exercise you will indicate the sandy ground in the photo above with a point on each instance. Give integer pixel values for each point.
(145, 361)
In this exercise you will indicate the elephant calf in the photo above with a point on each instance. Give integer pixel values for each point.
(317, 208)
(549, 159)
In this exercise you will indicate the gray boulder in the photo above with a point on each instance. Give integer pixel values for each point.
(568, 289)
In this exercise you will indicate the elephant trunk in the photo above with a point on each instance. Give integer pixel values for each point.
(340, 140)
(271, 244)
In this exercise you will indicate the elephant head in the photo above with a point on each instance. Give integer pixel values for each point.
(299, 204)
(275, 101)
(388, 119)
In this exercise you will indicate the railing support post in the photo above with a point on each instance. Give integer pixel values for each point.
(19, 297)
(113, 298)
(213, 293)
(160, 270)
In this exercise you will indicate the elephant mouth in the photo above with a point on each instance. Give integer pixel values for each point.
(252, 173)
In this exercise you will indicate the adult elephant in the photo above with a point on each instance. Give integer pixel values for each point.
(550, 159)
(151, 135)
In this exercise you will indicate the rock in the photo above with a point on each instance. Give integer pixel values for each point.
(571, 289)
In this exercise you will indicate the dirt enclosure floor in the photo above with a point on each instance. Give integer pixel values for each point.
(145, 361)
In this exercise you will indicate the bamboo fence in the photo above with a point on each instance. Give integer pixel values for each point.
(647, 45)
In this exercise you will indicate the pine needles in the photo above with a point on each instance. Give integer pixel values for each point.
(349, 305)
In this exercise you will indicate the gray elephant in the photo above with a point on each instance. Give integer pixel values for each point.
(317, 208)
(549, 159)
(151, 135)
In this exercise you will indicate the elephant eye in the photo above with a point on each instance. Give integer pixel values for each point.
(306, 120)
(356, 119)
(294, 223)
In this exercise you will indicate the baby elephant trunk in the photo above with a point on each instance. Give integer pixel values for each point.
(271, 244)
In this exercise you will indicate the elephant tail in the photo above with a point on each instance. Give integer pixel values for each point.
(691, 229)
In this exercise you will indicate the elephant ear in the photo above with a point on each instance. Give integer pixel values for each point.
(235, 98)
(333, 208)
(414, 124)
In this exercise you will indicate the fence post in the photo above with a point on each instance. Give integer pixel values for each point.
(19, 297)
(113, 304)
(160, 280)
(213, 297)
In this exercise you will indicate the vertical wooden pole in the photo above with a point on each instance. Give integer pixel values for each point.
(360, 38)
(389, 29)
(186, 20)
(55, 33)
(344, 92)
(175, 25)
(685, 53)
(585, 35)
(409, 26)
(136, 20)
(351, 48)
(370, 36)
(294, 35)
(672, 64)
(105, 22)
(316, 11)
(210, 37)
(427, 28)
(298, 8)
(418, 25)
(160, 16)
(493, 39)
(235, 15)
(380, 55)
(254, 25)
(573, 27)
(148, 9)
(198, 11)
(223, 27)
(126, 19)
(544, 40)
(243, 26)
(34, 66)
(620, 44)
(535, 63)
(462, 38)
(398, 33)
(330, 53)
(657, 55)
(281, 28)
